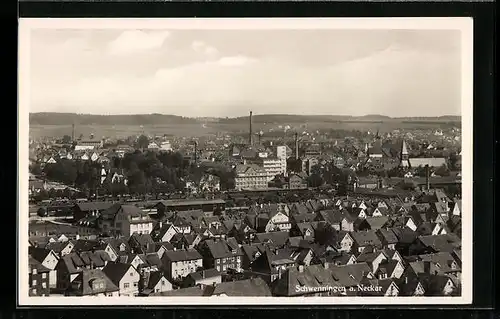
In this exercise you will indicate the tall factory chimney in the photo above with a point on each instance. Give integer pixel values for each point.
(427, 183)
(251, 132)
(73, 132)
(195, 153)
(296, 145)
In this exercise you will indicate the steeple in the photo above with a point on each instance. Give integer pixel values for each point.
(404, 155)
(404, 151)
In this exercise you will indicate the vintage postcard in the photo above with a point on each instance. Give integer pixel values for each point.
(261, 161)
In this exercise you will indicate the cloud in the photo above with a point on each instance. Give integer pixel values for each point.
(135, 41)
(203, 48)
(390, 82)
(237, 60)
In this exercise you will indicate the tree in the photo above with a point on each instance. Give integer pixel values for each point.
(294, 165)
(42, 212)
(36, 169)
(142, 141)
(442, 171)
(315, 180)
(66, 139)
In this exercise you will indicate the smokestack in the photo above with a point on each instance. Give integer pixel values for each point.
(251, 132)
(195, 152)
(296, 145)
(73, 132)
(427, 183)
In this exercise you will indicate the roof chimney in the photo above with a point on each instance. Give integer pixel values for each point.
(301, 268)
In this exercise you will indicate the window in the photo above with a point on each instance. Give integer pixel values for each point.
(44, 285)
(163, 282)
(131, 274)
(136, 284)
(34, 291)
(34, 283)
(44, 275)
(126, 285)
(34, 271)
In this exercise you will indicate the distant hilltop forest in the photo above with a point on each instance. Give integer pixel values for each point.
(49, 118)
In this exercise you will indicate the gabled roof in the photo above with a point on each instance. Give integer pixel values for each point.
(387, 236)
(441, 243)
(181, 255)
(366, 238)
(90, 206)
(204, 274)
(220, 249)
(35, 264)
(116, 271)
(87, 276)
(249, 287)
(278, 239)
(377, 222)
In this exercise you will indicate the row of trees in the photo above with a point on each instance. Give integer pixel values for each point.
(145, 172)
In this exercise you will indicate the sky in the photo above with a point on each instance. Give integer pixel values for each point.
(226, 73)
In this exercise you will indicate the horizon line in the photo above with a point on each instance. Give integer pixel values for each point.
(247, 115)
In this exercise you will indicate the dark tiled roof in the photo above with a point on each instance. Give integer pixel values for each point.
(250, 287)
(187, 292)
(85, 279)
(90, 206)
(203, 274)
(115, 271)
(221, 249)
(35, 264)
(182, 255)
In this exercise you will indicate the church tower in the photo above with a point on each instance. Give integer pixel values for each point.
(404, 154)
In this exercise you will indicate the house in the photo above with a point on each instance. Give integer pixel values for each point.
(81, 210)
(272, 221)
(60, 247)
(48, 259)
(251, 253)
(389, 269)
(434, 244)
(154, 282)
(347, 223)
(141, 243)
(438, 285)
(203, 277)
(130, 219)
(38, 278)
(334, 217)
(270, 265)
(125, 277)
(384, 287)
(165, 232)
(371, 223)
(373, 259)
(92, 282)
(254, 287)
(222, 255)
(410, 287)
(180, 263)
(456, 208)
(387, 237)
(276, 239)
(346, 241)
(365, 239)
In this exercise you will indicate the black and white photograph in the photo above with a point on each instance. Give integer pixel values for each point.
(263, 161)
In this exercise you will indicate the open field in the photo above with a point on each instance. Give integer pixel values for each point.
(200, 129)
